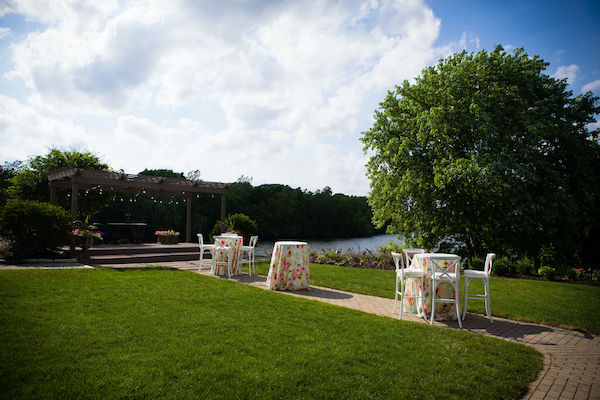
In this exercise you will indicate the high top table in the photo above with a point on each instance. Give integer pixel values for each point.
(235, 242)
(443, 311)
(289, 268)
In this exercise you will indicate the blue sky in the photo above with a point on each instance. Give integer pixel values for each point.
(277, 91)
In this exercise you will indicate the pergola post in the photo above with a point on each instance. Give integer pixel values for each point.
(52, 195)
(74, 199)
(223, 200)
(188, 219)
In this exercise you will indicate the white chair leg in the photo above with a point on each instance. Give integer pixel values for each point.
(465, 297)
(228, 266)
(433, 290)
(395, 295)
(402, 289)
(487, 300)
(457, 303)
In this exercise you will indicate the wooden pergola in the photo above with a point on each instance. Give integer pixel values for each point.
(78, 179)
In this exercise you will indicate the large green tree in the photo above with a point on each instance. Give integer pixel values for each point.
(486, 152)
(31, 180)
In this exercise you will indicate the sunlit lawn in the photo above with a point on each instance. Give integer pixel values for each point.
(552, 303)
(163, 333)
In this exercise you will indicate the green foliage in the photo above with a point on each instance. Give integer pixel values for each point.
(35, 228)
(167, 173)
(476, 263)
(525, 266)
(486, 151)
(5, 246)
(547, 272)
(356, 259)
(31, 181)
(571, 273)
(7, 171)
(392, 246)
(239, 223)
(548, 256)
(278, 210)
(502, 267)
(243, 224)
(216, 231)
(281, 211)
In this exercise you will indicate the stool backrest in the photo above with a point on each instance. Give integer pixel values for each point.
(489, 261)
(408, 255)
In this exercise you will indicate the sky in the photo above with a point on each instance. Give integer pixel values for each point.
(275, 91)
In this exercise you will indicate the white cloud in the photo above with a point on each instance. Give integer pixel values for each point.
(4, 32)
(567, 71)
(592, 86)
(273, 90)
(25, 132)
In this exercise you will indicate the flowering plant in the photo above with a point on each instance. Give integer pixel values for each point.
(167, 237)
(87, 233)
(166, 233)
(233, 232)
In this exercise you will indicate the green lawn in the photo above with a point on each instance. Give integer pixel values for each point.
(551, 303)
(163, 333)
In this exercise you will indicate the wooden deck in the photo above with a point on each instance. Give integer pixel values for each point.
(143, 253)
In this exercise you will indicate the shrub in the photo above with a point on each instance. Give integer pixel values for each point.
(525, 266)
(35, 228)
(476, 263)
(502, 267)
(5, 246)
(547, 272)
(360, 259)
(571, 273)
(392, 246)
(236, 222)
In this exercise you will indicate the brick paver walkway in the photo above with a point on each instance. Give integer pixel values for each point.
(571, 358)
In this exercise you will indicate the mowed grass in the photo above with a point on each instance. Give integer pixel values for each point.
(163, 333)
(551, 303)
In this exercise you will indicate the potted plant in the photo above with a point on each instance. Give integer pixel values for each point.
(167, 237)
(85, 233)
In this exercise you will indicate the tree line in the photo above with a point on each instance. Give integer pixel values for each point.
(280, 211)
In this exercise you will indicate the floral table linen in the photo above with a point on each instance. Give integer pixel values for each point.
(229, 241)
(289, 269)
(443, 311)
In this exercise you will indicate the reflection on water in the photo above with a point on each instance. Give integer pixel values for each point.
(372, 243)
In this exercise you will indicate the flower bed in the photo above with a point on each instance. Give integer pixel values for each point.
(167, 237)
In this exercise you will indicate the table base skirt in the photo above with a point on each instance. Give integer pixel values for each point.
(443, 311)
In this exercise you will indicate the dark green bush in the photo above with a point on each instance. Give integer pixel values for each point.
(548, 256)
(571, 273)
(547, 272)
(239, 223)
(476, 263)
(34, 228)
(525, 266)
(502, 267)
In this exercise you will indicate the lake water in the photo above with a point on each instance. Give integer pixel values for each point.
(372, 243)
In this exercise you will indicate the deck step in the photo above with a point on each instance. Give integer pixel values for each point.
(143, 258)
(143, 248)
